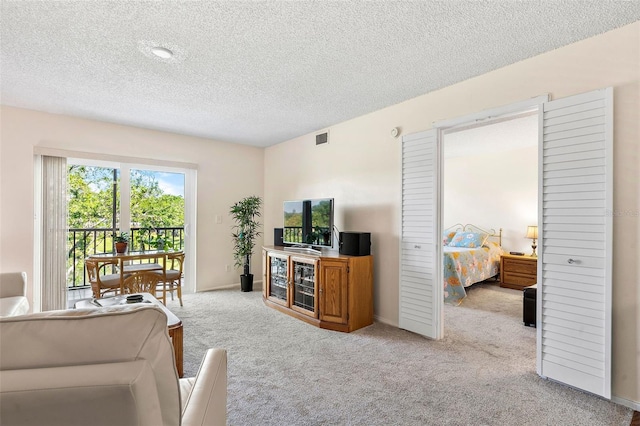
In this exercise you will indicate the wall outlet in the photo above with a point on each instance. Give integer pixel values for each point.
(218, 218)
(227, 268)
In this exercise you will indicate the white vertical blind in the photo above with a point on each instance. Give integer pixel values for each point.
(574, 292)
(54, 236)
(420, 268)
(190, 185)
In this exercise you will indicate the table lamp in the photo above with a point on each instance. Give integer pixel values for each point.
(532, 232)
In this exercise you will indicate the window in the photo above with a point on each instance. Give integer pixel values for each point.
(147, 202)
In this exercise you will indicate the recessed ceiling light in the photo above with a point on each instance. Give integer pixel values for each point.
(162, 52)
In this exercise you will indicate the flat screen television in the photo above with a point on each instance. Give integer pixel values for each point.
(308, 222)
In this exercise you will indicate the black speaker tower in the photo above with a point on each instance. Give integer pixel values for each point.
(277, 237)
(355, 243)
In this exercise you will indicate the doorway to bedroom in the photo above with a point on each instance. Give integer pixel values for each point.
(576, 184)
(489, 186)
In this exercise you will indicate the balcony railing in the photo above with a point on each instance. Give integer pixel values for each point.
(84, 242)
(319, 235)
(293, 234)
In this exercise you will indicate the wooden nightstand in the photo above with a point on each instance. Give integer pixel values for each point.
(518, 272)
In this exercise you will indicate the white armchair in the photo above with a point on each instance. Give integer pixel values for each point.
(13, 294)
(109, 366)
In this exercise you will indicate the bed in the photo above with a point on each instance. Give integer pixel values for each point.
(470, 255)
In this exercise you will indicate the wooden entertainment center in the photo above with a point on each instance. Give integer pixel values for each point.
(328, 290)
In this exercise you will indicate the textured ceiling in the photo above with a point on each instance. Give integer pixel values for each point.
(260, 73)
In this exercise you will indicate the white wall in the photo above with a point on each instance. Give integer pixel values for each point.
(360, 168)
(490, 179)
(493, 196)
(226, 173)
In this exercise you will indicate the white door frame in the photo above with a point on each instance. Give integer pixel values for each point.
(487, 116)
(477, 119)
(435, 312)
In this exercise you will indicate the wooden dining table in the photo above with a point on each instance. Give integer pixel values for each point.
(140, 271)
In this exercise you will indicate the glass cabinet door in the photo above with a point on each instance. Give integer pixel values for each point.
(278, 279)
(305, 296)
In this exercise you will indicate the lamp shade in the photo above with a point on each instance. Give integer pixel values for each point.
(532, 232)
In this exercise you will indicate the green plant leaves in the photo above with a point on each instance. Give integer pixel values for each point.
(245, 213)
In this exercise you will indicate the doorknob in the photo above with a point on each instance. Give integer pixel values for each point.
(572, 261)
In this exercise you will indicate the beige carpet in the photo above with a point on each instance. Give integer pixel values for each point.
(285, 372)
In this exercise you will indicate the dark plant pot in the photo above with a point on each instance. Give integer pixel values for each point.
(246, 282)
(121, 247)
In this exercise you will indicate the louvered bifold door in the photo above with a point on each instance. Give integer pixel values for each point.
(420, 293)
(574, 295)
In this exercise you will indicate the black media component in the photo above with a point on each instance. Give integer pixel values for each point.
(529, 296)
(277, 237)
(355, 243)
(307, 220)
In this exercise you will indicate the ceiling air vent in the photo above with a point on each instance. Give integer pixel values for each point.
(322, 138)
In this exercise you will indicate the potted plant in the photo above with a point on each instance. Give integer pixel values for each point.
(245, 231)
(159, 241)
(121, 241)
(162, 243)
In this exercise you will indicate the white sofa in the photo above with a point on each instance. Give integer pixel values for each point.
(109, 366)
(13, 294)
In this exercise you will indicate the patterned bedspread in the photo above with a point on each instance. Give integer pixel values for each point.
(466, 266)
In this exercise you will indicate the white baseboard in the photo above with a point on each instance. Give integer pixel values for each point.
(634, 405)
(224, 287)
(257, 285)
(378, 318)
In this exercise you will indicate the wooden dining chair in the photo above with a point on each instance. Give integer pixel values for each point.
(145, 273)
(142, 282)
(105, 283)
(173, 272)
